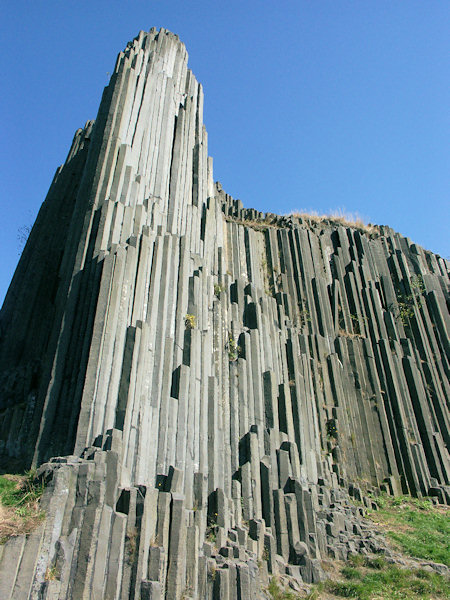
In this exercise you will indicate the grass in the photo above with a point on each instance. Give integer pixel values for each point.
(278, 593)
(19, 504)
(372, 578)
(52, 573)
(350, 335)
(416, 527)
(257, 225)
(337, 218)
(375, 580)
(311, 218)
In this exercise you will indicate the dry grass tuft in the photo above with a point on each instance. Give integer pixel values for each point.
(337, 218)
(347, 334)
(257, 225)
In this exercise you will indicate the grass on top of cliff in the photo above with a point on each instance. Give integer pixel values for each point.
(416, 527)
(20, 512)
(311, 218)
(337, 218)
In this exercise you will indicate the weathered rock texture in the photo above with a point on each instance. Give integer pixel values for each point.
(218, 381)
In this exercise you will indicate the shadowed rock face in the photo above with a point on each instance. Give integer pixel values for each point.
(218, 381)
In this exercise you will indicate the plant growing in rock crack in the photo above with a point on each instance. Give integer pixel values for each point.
(417, 284)
(305, 316)
(211, 528)
(52, 573)
(211, 535)
(190, 321)
(357, 317)
(234, 350)
(331, 429)
(406, 302)
(218, 289)
(131, 540)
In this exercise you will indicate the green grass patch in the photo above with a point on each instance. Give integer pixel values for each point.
(392, 583)
(277, 593)
(417, 527)
(20, 490)
(19, 504)
(369, 579)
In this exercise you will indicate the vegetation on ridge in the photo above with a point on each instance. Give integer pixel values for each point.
(339, 218)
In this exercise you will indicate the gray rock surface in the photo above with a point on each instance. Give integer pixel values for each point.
(220, 384)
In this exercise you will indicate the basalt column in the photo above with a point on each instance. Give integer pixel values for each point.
(204, 387)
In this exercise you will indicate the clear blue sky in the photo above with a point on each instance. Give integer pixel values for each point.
(318, 104)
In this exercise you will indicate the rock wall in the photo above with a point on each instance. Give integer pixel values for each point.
(207, 388)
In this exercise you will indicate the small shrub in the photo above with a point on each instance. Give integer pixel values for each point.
(351, 573)
(131, 545)
(52, 573)
(379, 562)
(218, 289)
(356, 560)
(331, 429)
(190, 321)
(211, 534)
(277, 593)
(344, 589)
(417, 284)
(234, 350)
(406, 302)
(305, 315)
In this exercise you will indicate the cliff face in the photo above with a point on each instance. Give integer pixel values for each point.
(217, 380)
